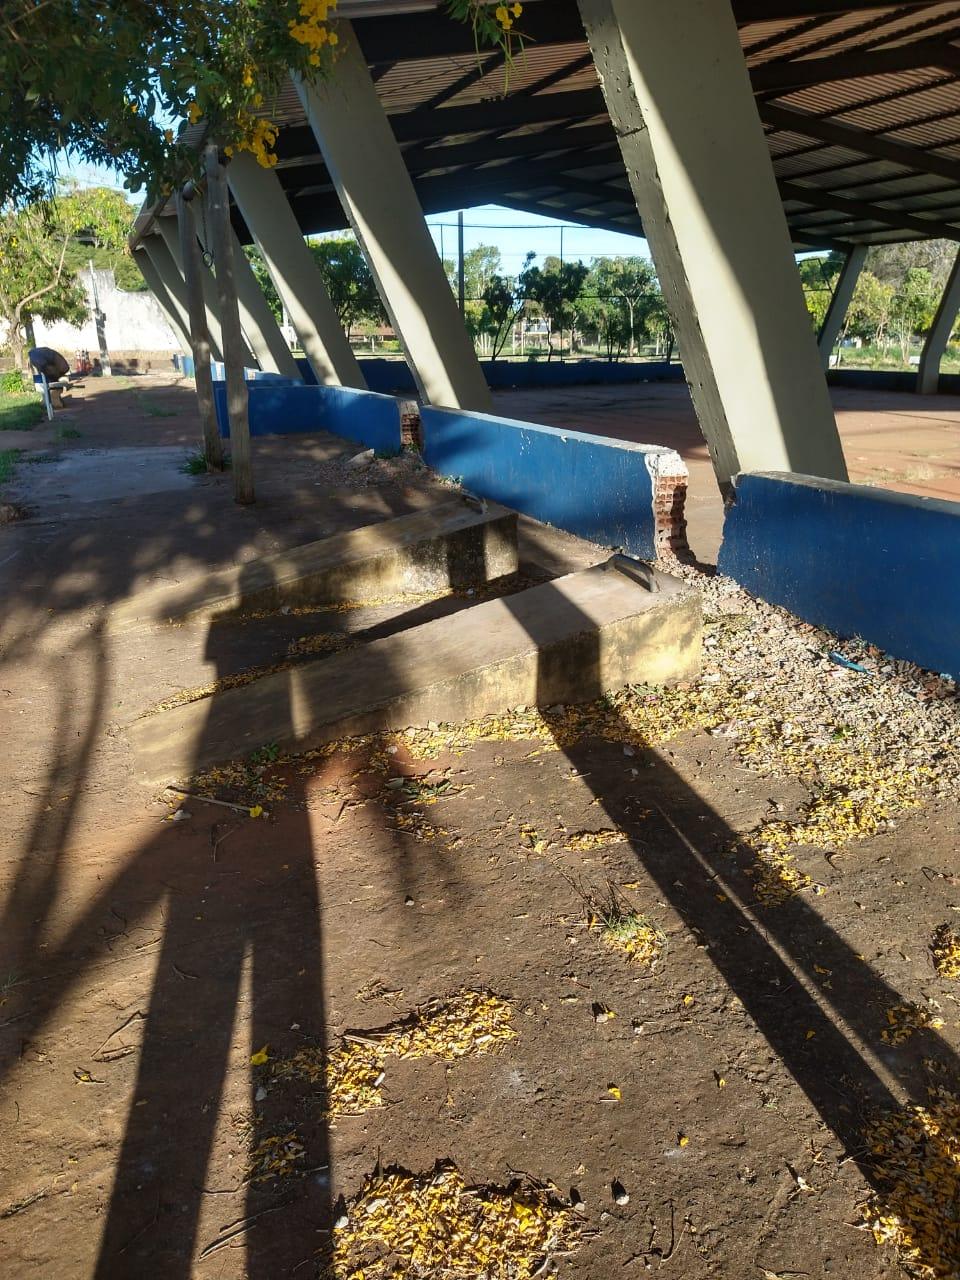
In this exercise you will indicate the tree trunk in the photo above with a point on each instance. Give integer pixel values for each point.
(632, 348)
(199, 335)
(18, 346)
(237, 402)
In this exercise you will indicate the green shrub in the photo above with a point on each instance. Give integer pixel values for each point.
(14, 384)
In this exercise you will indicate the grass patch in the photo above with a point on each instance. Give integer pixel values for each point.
(8, 461)
(20, 412)
(195, 464)
(40, 459)
(158, 411)
(68, 433)
(627, 930)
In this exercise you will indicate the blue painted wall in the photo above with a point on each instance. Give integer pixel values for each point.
(394, 375)
(888, 380)
(857, 560)
(590, 485)
(286, 407)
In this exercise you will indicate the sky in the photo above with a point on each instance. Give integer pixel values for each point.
(513, 233)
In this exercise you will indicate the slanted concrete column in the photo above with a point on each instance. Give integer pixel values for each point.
(840, 302)
(678, 93)
(171, 237)
(159, 290)
(376, 191)
(259, 326)
(294, 272)
(928, 377)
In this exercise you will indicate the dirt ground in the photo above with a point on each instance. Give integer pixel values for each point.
(146, 961)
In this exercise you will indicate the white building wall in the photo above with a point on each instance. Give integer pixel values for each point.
(134, 322)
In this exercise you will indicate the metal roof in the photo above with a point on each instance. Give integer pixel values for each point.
(860, 104)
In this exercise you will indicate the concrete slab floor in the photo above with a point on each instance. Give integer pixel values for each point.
(891, 439)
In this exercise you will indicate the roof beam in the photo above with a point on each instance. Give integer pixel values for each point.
(483, 68)
(571, 214)
(863, 210)
(768, 10)
(313, 172)
(409, 36)
(867, 144)
(780, 75)
(425, 123)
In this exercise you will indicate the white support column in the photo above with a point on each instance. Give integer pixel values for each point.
(679, 96)
(170, 278)
(840, 302)
(377, 194)
(159, 290)
(295, 275)
(259, 326)
(171, 237)
(928, 377)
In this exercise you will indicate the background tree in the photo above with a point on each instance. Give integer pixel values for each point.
(104, 79)
(346, 276)
(913, 307)
(505, 300)
(868, 315)
(348, 279)
(105, 242)
(555, 288)
(35, 242)
(819, 277)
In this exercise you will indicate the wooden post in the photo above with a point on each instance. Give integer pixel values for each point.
(218, 206)
(199, 334)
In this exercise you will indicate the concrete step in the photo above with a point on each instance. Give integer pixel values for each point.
(565, 641)
(453, 545)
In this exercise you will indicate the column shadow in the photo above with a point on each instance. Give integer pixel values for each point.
(767, 956)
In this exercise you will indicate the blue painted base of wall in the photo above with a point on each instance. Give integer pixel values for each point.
(598, 488)
(285, 407)
(888, 380)
(394, 375)
(857, 560)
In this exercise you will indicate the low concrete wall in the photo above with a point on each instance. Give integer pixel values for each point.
(613, 492)
(394, 375)
(858, 560)
(283, 407)
(888, 380)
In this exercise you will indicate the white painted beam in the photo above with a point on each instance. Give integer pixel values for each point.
(294, 272)
(928, 376)
(257, 320)
(171, 238)
(367, 169)
(679, 95)
(840, 302)
(159, 290)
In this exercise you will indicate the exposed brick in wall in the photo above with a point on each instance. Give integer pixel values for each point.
(669, 476)
(410, 433)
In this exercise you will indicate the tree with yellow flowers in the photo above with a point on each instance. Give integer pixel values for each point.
(114, 81)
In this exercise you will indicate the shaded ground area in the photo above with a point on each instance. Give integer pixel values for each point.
(185, 1005)
(891, 439)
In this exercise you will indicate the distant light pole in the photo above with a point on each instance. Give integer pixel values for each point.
(461, 280)
(100, 321)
